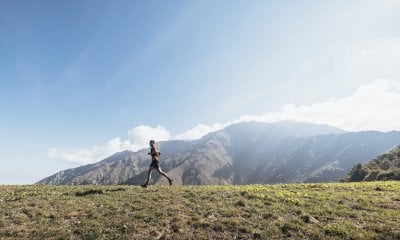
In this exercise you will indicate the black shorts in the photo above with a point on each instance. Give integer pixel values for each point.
(154, 164)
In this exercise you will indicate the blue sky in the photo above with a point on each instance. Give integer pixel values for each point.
(82, 79)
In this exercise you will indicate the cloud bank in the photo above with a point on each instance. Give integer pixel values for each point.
(138, 138)
(374, 106)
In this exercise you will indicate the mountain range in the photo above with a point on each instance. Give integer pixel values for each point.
(243, 153)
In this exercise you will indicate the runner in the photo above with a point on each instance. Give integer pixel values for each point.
(155, 154)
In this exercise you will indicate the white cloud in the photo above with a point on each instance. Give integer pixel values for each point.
(199, 131)
(138, 138)
(86, 156)
(374, 106)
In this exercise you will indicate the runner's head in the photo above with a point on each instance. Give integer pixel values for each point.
(152, 143)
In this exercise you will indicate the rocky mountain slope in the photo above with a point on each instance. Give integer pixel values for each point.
(382, 168)
(244, 153)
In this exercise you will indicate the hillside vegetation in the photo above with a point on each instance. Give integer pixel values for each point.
(382, 168)
(299, 211)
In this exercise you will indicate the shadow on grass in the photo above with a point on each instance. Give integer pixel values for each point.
(97, 191)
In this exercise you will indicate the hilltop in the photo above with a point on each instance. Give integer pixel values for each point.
(295, 211)
(384, 167)
(243, 153)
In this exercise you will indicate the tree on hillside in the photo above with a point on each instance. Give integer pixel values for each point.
(382, 168)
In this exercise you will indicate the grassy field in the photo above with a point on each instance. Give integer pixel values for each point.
(288, 211)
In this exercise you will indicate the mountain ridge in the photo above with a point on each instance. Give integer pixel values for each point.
(243, 153)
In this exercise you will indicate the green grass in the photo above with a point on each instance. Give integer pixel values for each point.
(368, 210)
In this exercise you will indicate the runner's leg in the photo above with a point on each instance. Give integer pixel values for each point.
(165, 175)
(149, 175)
